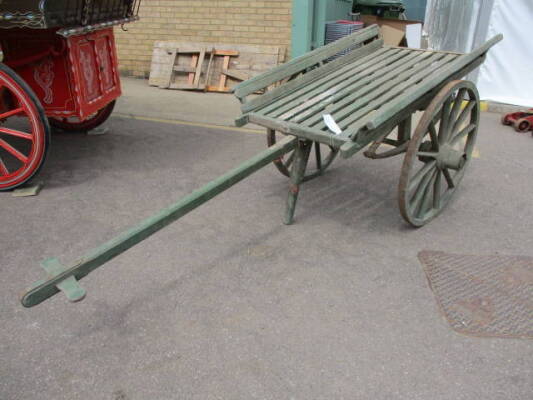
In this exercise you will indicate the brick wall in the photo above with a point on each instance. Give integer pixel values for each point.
(229, 21)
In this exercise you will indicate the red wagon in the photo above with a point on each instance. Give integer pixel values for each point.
(59, 68)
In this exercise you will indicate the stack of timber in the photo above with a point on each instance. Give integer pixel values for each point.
(215, 67)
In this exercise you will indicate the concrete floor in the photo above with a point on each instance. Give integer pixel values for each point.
(228, 303)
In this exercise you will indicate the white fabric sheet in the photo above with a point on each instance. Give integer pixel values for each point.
(507, 74)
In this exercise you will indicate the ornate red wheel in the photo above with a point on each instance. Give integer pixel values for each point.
(73, 124)
(24, 131)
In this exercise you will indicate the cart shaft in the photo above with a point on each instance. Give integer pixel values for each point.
(64, 278)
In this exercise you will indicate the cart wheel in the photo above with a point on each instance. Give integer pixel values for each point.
(73, 124)
(522, 125)
(284, 163)
(505, 120)
(439, 152)
(24, 131)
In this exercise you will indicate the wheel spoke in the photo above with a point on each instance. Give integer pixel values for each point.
(462, 134)
(457, 106)
(421, 192)
(13, 132)
(3, 169)
(318, 156)
(11, 113)
(433, 135)
(415, 180)
(465, 113)
(427, 199)
(427, 154)
(10, 149)
(445, 121)
(437, 190)
(448, 177)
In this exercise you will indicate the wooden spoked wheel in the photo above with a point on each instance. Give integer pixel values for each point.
(73, 124)
(323, 155)
(439, 152)
(24, 131)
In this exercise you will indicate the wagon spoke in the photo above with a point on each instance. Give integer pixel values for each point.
(421, 192)
(445, 121)
(427, 199)
(318, 156)
(462, 117)
(11, 113)
(10, 149)
(3, 169)
(437, 190)
(448, 176)
(462, 134)
(458, 102)
(415, 180)
(433, 135)
(13, 132)
(427, 154)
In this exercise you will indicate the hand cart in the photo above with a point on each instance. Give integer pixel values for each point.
(335, 107)
(59, 68)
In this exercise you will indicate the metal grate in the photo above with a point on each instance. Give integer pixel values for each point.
(483, 295)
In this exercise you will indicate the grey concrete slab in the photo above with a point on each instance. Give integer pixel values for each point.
(228, 303)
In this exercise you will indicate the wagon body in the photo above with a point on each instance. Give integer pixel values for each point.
(339, 106)
(59, 56)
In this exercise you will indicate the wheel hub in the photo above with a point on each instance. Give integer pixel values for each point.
(448, 157)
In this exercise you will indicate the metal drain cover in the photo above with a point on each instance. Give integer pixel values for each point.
(483, 295)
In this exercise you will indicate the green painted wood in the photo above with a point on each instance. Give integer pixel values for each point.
(347, 102)
(336, 66)
(60, 275)
(291, 128)
(328, 86)
(388, 92)
(443, 75)
(301, 157)
(301, 63)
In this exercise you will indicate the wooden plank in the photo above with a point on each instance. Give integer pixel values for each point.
(209, 66)
(311, 76)
(417, 91)
(239, 75)
(194, 63)
(199, 68)
(166, 79)
(349, 100)
(303, 62)
(223, 76)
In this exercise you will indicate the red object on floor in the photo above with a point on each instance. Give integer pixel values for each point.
(522, 121)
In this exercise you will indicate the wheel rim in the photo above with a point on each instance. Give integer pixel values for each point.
(323, 154)
(523, 125)
(439, 152)
(23, 132)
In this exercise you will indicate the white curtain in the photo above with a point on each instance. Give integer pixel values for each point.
(507, 74)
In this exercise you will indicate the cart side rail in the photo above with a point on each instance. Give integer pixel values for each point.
(303, 63)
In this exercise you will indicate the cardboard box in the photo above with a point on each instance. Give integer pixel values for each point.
(395, 31)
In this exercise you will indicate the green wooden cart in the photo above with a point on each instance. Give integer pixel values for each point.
(335, 105)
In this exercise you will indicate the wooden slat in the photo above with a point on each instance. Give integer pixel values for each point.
(301, 63)
(311, 76)
(198, 73)
(342, 104)
(332, 81)
(417, 91)
(321, 96)
(394, 88)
